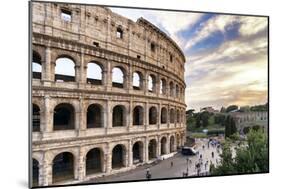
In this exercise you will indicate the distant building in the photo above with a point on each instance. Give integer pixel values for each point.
(209, 109)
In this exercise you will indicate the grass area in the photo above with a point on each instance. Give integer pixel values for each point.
(198, 135)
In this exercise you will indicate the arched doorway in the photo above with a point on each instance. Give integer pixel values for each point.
(138, 115)
(64, 117)
(152, 115)
(172, 144)
(36, 66)
(137, 152)
(163, 146)
(118, 156)
(163, 115)
(94, 161)
(152, 146)
(35, 118)
(35, 172)
(94, 116)
(63, 167)
(118, 116)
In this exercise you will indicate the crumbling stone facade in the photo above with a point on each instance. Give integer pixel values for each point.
(85, 128)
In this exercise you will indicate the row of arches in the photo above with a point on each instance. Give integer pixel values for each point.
(63, 164)
(64, 116)
(65, 72)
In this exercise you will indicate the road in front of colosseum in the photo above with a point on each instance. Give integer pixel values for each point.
(163, 169)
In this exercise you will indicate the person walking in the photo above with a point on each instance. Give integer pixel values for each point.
(172, 163)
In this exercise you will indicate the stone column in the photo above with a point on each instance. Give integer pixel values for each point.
(159, 116)
(108, 116)
(47, 122)
(81, 164)
(108, 155)
(130, 154)
(46, 74)
(168, 116)
(83, 70)
(129, 79)
(108, 76)
(45, 174)
(146, 144)
(168, 145)
(146, 115)
(130, 116)
(82, 127)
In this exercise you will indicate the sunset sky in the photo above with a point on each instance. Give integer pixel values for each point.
(226, 55)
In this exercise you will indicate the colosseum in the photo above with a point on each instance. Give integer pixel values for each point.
(107, 93)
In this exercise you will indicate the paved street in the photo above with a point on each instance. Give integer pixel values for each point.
(164, 169)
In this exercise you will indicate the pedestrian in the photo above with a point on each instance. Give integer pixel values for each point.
(203, 147)
(206, 166)
(172, 163)
(213, 154)
(200, 156)
(147, 171)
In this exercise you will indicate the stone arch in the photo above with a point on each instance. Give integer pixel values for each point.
(119, 116)
(64, 116)
(35, 118)
(118, 77)
(35, 172)
(95, 73)
(172, 89)
(172, 144)
(138, 115)
(95, 117)
(36, 65)
(163, 86)
(94, 161)
(172, 115)
(152, 115)
(163, 142)
(152, 149)
(118, 156)
(178, 116)
(164, 115)
(63, 167)
(177, 90)
(138, 149)
(151, 86)
(65, 69)
(137, 80)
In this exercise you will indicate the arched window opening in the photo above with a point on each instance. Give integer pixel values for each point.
(172, 116)
(163, 146)
(163, 115)
(152, 146)
(94, 160)
(178, 116)
(138, 115)
(151, 83)
(94, 116)
(118, 117)
(177, 91)
(117, 77)
(35, 118)
(172, 90)
(137, 81)
(172, 144)
(63, 167)
(35, 173)
(94, 74)
(163, 86)
(138, 152)
(152, 115)
(119, 33)
(118, 156)
(65, 70)
(36, 66)
(64, 117)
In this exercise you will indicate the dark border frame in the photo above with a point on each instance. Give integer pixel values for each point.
(142, 8)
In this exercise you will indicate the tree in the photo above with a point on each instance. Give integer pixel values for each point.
(198, 120)
(190, 112)
(230, 126)
(219, 119)
(223, 109)
(231, 108)
(250, 158)
(205, 119)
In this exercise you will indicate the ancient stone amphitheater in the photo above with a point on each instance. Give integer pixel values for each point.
(107, 93)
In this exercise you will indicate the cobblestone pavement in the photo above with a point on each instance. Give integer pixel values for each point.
(164, 169)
